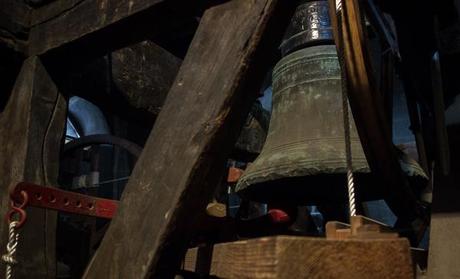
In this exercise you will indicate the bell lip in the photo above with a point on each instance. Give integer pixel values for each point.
(321, 189)
(264, 169)
(279, 173)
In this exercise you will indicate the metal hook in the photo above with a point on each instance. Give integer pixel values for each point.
(19, 210)
(23, 203)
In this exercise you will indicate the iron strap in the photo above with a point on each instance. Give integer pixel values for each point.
(65, 201)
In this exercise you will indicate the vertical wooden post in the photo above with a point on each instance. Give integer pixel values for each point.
(444, 249)
(31, 130)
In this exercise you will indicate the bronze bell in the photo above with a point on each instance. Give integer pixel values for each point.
(303, 158)
(310, 25)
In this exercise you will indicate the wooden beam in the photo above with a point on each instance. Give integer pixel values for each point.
(14, 24)
(186, 152)
(143, 74)
(304, 257)
(136, 80)
(85, 27)
(51, 10)
(31, 130)
(77, 37)
(83, 19)
(445, 214)
(368, 111)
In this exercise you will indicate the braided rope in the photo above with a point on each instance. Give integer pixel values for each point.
(346, 117)
(350, 176)
(11, 247)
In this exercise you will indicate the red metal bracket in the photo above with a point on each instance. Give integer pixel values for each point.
(66, 201)
(17, 212)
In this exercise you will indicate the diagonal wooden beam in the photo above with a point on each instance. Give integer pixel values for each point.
(31, 127)
(185, 155)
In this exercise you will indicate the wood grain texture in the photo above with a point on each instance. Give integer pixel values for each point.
(143, 74)
(31, 130)
(14, 24)
(81, 19)
(51, 11)
(445, 216)
(302, 257)
(368, 111)
(186, 152)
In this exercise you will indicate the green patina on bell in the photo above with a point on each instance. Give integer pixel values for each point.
(303, 158)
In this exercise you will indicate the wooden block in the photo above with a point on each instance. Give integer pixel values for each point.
(303, 257)
(361, 227)
(359, 221)
(337, 230)
(368, 228)
(374, 235)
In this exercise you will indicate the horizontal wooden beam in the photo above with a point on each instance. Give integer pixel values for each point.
(303, 257)
(82, 19)
(87, 26)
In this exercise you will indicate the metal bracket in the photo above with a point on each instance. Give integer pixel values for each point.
(65, 201)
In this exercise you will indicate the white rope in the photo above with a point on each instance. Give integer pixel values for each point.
(338, 6)
(346, 117)
(350, 177)
(351, 193)
(11, 247)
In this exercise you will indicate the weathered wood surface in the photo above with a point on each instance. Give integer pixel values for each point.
(81, 20)
(14, 24)
(444, 249)
(31, 130)
(368, 111)
(143, 74)
(136, 80)
(51, 10)
(186, 152)
(302, 257)
(360, 227)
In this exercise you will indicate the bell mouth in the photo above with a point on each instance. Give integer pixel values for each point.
(310, 190)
